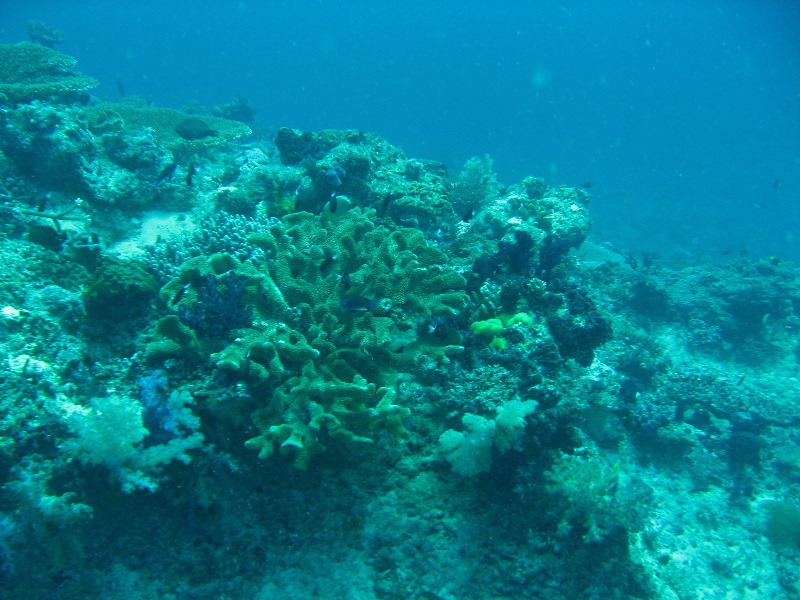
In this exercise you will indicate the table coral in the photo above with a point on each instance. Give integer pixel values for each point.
(29, 71)
(115, 118)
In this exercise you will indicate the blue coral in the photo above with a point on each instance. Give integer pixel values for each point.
(220, 306)
(221, 232)
(156, 415)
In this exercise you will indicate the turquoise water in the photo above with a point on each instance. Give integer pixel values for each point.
(683, 115)
(378, 301)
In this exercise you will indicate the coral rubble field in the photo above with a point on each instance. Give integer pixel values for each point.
(309, 366)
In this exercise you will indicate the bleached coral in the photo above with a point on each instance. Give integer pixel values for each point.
(469, 452)
(110, 432)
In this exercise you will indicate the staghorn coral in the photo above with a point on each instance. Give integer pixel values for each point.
(218, 233)
(29, 71)
(332, 370)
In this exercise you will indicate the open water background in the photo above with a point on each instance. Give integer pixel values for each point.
(684, 116)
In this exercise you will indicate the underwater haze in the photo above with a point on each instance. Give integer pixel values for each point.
(684, 116)
(399, 300)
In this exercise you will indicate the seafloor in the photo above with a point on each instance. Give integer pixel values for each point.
(303, 365)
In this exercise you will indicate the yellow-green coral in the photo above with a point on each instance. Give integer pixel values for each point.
(29, 71)
(335, 409)
(331, 371)
(488, 327)
(495, 326)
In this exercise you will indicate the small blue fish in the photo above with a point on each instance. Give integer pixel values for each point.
(357, 303)
(334, 176)
(439, 328)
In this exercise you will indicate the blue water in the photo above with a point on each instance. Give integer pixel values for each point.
(683, 115)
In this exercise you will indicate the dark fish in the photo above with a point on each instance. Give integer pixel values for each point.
(586, 185)
(168, 171)
(777, 184)
(327, 264)
(610, 486)
(190, 173)
(47, 236)
(194, 129)
(120, 89)
(357, 303)
(439, 328)
(179, 294)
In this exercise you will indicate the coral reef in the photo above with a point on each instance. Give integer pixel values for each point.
(111, 432)
(333, 367)
(118, 120)
(43, 33)
(440, 375)
(31, 71)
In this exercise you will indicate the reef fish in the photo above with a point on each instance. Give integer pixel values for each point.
(190, 173)
(335, 207)
(357, 303)
(168, 172)
(194, 129)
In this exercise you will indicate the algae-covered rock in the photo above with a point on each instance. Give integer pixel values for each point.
(562, 213)
(371, 173)
(59, 149)
(177, 131)
(119, 289)
(48, 145)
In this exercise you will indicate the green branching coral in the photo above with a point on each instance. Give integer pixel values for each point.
(29, 71)
(340, 308)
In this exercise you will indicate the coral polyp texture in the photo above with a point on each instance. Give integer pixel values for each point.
(178, 132)
(30, 71)
(314, 367)
(340, 308)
